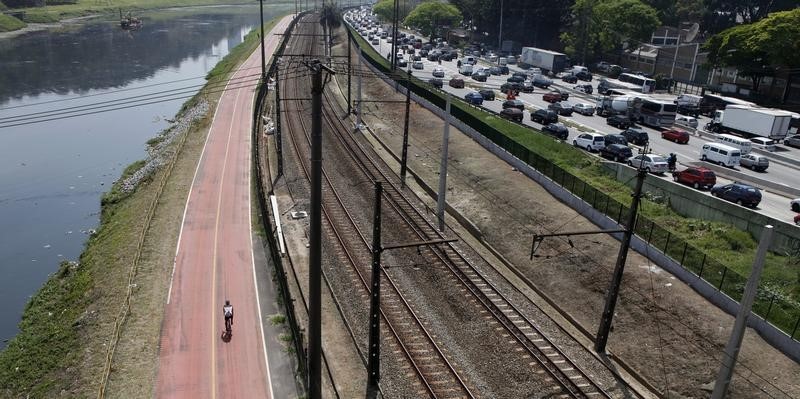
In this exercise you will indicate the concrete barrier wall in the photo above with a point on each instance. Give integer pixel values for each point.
(770, 333)
(694, 204)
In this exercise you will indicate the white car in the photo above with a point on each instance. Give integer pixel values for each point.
(795, 204)
(686, 121)
(584, 109)
(763, 143)
(590, 141)
(417, 65)
(649, 162)
(438, 72)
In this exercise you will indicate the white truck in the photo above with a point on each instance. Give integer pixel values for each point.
(750, 121)
(544, 59)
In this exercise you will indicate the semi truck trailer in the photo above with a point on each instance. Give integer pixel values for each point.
(750, 121)
(544, 59)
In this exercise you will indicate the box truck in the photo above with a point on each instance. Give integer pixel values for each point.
(750, 121)
(544, 59)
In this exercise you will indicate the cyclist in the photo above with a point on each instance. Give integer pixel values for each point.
(227, 310)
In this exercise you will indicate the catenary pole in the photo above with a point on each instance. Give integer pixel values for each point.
(374, 361)
(404, 154)
(315, 266)
(441, 200)
(263, 57)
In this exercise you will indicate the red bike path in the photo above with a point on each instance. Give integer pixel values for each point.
(214, 262)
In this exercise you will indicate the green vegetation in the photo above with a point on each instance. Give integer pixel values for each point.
(384, 9)
(757, 50)
(431, 16)
(277, 319)
(9, 23)
(66, 326)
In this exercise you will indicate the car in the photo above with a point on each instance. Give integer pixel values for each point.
(602, 66)
(763, 143)
(617, 152)
(522, 75)
(583, 75)
(423, 52)
(401, 62)
(740, 193)
(651, 163)
(797, 219)
(584, 109)
(795, 204)
(487, 94)
(480, 76)
(619, 121)
(514, 114)
(436, 82)
(416, 58)
(584, 88)
(458, 83)
(514, 104)
(590, 141)
(417, 65)
(515, 88)
(756, 162)
(515, 79)
(551, 97)
(556, 129)
(544, 116)
(564, 94)
(495, 71)
(686, 121)
(438, 72)
(697, 177)
(636, 136)
(616, 139)
(679, 136)
(570, 78)
(376, 41)
(562, 108)
(474, 98)
(504, 70)
(527, 87)
(792, 141)
(541, 81)
(692, 110)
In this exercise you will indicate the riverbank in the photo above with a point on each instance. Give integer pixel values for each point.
(102, 314)
(39, 18)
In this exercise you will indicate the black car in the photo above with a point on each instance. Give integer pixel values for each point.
(570, 78)
(515, 79)
(514, 114)
(586, 88)
(619, 121)
(401, 62)
(436, 82)
(544, 116)
(487, 94)
(504, 70)
(520, 74)
(689, 109)
(560, 108)
(423, 53)
(583, 75)
(556, 129)
(495, 71)
(527, 87)
(513, 104)
(636, 136)
(617, 152)
(616, 139)
(515, 87)
(739, 193)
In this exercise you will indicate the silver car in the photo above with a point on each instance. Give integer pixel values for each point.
(792, 141)
(584, 109)
(758, 163)
(649, 162)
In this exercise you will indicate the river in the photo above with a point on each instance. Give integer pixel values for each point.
(53, 173)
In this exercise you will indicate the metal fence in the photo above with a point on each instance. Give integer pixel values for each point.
(771, 306)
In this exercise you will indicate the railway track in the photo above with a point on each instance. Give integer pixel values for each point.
(437, 376)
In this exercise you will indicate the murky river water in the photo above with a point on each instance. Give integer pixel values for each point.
(53, 173)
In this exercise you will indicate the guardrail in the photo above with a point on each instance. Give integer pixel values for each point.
(772, 307)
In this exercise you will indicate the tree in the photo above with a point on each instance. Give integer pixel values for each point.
(757, 50)
(429, 16)
(722, 14)
(602, 26)
(385, 9)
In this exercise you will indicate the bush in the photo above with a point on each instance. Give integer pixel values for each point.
(9, 23)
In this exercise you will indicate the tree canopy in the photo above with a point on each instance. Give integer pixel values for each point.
(385, 9)
(758, 49)
(431, 15)
(603, 26)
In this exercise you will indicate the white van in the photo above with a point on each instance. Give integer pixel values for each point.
(688, 99)
(468, 60)
(502, 61)
(465, 69)
(721, 154)
(744, 145)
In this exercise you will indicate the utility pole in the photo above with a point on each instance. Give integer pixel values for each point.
(349, 74)
(278, 138)
(315, 250)
(374, 360)
(358, 107)
(616, 280)
(500, 35)
(263, 61)
(441, 200)
(404, 156)
(745, 305)
(394, 34)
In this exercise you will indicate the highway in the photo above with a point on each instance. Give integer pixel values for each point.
(214, 262)
(773, 204)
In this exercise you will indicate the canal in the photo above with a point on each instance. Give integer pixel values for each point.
(54, 170)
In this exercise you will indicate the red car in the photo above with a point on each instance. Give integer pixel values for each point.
(551, 97)
(677, 135)
(797, 219)
(697, 177)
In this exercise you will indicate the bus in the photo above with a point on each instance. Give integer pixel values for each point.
(643, 84)
(658, 113)
(613, 87)
(711, 103)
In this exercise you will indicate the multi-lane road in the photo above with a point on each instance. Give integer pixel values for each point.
(773, 204)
